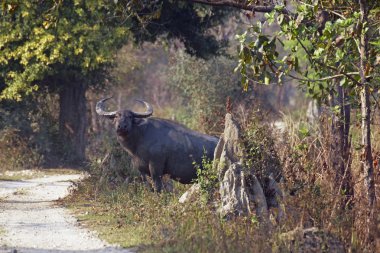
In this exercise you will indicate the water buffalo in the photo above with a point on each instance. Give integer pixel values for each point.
(159, 146)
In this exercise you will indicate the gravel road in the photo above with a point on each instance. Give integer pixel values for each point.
(30, 220)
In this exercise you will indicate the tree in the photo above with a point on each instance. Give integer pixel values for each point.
(365, 65)
(65, 45)
(182, 20)
(341, 47)
(68, 45)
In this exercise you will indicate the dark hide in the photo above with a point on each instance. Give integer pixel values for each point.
(159, 146)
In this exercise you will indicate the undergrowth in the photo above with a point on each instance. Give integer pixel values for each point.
(207, 178)
(131, 215)
(134, 216)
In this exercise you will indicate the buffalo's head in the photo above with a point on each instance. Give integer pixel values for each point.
(123, 119)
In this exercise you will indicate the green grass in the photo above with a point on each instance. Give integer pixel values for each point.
(132, 216)
(136, 217)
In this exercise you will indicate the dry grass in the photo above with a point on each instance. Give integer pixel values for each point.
(318, 194)
(132, 216)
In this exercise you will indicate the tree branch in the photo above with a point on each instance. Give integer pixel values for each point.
(340, 73)
(235, 4)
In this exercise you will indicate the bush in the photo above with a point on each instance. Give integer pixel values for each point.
(203, 87)
(109, 163)
(29, 132)
(207, 178)
(15, 153)
(260, 151)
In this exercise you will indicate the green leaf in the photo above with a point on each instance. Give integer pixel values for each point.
(244, 83)
(343, 82)
(247, 57)
(280, 19)
(296, 64)
(270, 17)
(266, 78)
(339, 54)
(279, 8)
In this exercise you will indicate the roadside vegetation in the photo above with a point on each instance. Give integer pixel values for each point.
(131, 215)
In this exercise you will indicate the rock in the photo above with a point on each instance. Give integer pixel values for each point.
(191, 194)
(259, 199)
(310, 240)
(240, 191)
(233, 194)
(275, 197)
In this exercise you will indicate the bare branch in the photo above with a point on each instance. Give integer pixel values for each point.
(243, 5)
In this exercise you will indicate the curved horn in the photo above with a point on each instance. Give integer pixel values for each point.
(147, 113)
(100, 109)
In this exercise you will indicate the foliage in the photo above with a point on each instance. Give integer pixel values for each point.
(133, 216)
(15, 154)
(109, 161)
(318, 35)
(260, 152)
(204, 87)
(183, 20)
(207, 178)
(338, 41)
(30, 132)
(41, 40)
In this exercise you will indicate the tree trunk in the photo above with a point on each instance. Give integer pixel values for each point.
(94, 116)
(72, 119)
(340, 160)
(366, 156)
(367, 160)
(344, 143)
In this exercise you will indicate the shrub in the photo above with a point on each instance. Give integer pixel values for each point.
(109, 162)
(204, 87)
(29, 132)
(207, 178)
(260, 151)
(15, 153)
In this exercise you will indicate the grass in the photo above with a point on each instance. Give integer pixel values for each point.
(18, 175)
(133, 216)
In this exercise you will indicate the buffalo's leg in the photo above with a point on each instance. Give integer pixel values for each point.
(145, 181)
(157, 179)
(156, 175)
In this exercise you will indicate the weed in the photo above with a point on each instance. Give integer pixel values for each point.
(15, 153)
(207, 178)
(134, 216)
(131, 215)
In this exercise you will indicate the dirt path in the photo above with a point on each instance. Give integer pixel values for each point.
(30, 221)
